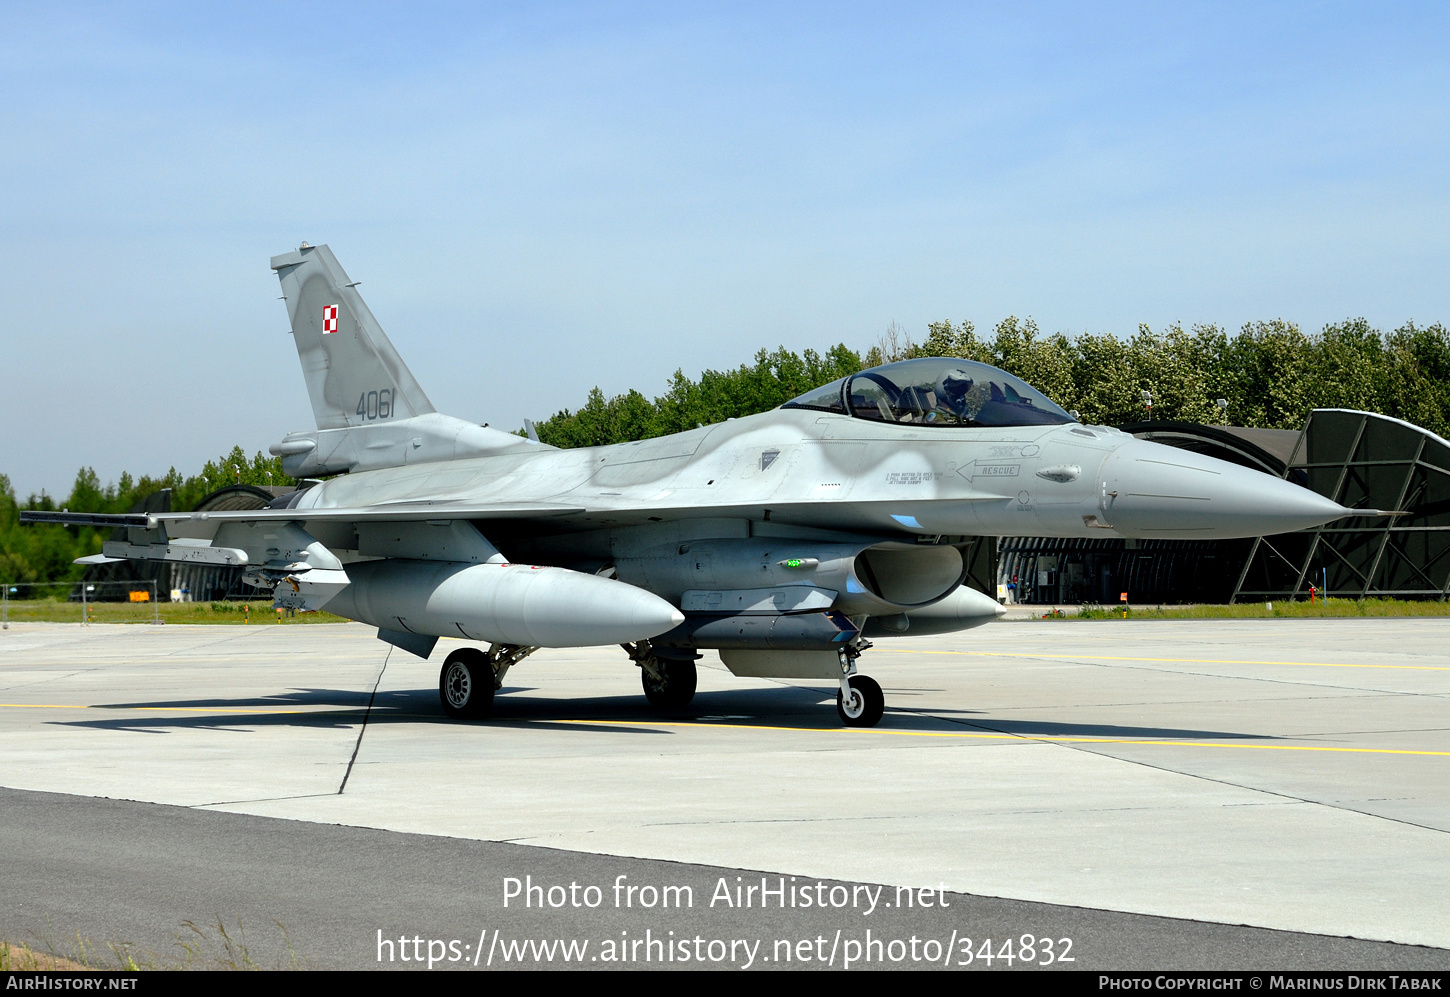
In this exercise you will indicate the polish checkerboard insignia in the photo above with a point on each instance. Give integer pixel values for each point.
(329, 319)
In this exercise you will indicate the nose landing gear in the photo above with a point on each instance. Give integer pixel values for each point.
(859, 701)
(866, 704)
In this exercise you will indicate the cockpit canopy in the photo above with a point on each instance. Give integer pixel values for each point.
(936, 391)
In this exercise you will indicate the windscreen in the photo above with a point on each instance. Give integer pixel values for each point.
(937, 391)
(827, 398)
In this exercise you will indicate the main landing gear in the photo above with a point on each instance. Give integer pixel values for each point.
(859, 701)
(470, 677)
(669, 682)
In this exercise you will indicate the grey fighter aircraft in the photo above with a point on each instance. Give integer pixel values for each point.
(784, 540)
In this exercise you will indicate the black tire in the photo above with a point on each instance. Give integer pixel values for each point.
(465, 684)
(866, 712)
(675, 687)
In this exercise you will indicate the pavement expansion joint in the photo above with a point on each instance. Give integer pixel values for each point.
(1384, 730)
(727, 822)
(1271, 680)
(53, 677)
(1287, 797)
(259, 799)
(242, 633)
(1370, 813)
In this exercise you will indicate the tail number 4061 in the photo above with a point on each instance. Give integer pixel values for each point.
(375, 404)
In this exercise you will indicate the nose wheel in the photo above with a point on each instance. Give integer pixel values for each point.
(865, 704)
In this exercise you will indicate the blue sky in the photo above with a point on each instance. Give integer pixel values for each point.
(540, 198)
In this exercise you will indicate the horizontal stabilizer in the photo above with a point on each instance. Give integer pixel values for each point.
(139, 521)
(402, 512)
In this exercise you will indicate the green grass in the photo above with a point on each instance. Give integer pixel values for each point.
(60, 611)
(211, 947)
(16, 958)
(1260, 611)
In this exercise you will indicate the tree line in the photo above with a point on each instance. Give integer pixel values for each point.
(1270, 374)
(44, 553)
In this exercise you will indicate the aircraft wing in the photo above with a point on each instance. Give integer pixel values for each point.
(275, 550)
(396, 512)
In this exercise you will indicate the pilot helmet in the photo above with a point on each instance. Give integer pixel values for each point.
(952, 388)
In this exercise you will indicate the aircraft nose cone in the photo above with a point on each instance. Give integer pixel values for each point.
(1151, 490)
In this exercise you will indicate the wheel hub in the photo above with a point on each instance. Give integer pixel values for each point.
(459, 686)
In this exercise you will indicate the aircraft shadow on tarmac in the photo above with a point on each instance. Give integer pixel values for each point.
(785, 707)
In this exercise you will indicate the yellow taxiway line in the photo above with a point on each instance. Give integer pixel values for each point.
(1047, 738)
(881, 731)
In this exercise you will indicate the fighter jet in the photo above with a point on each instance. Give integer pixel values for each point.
(784, 541)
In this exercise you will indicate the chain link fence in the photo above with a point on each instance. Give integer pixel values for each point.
(132, 601)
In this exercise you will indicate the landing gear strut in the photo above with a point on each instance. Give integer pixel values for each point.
(669, 682)
(859, 701)
(469, 678)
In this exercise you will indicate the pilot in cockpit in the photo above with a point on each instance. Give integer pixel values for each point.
(952, 389)
(941, 401)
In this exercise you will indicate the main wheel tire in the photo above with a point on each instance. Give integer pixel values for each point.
(675, 687)
(867, 703)
(465, 685)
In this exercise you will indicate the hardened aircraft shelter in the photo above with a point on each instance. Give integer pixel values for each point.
(1363, 461)
(1360, 459)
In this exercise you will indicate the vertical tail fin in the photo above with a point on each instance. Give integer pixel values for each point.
(354, 375)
